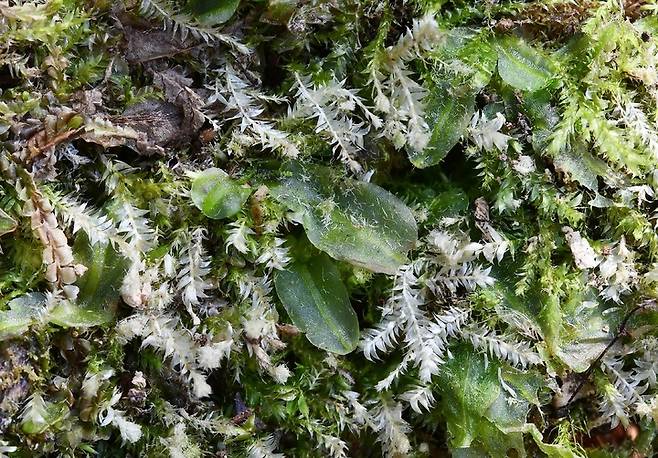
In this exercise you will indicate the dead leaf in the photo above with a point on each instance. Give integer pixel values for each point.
(176, 88)
(147, 45)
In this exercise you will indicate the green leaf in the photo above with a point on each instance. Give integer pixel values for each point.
(544, 116)
(303, 406)
(474, 51)
(451, 203)
(7, 223)
(97, 299)
(590, 333)
(575, 163)
(70, 315)
(100, 285)
(448, 112)
(23, 311)
(551, 450)
(468, 389)
(280, 11)
(46, 414)
(587, 332)
(213, 12)
(217, 195)
(522, 66)
(318, 304)
(351, 220)
(477, 409)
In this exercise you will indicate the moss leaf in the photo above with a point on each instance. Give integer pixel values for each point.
(99, 286)
(7, 223)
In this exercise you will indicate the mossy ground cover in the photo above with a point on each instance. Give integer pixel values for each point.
(305, 228)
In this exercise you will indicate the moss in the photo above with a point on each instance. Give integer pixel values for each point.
(500, 262)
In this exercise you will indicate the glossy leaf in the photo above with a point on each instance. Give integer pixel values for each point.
(522, 66)
(351, 220)
(217, 195)
(23, 311)
(590, 333)
(469, 389)
(448, 113)
(70, 315)
(99, 286)
(480, 415)
(317, 302)
(576, 164)
(475, 51)
(213, 12)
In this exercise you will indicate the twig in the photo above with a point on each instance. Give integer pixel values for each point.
(622, 327)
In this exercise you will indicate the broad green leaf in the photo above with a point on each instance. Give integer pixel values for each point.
(583, 167)
(478, 411)
(544, 116)
(351, 220)
(590, 333)
(575, 164)
(217, 195)
(522, 66)
(97, 299)
(318, 304)
(574, 330)
(468, 389)
(475, 54)
(213, 12)
(99, 286)
(23, 311)
(71, 315)
(529, 304)
(7, 223)
(448, 112)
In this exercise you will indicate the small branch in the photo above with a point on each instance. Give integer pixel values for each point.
(620, 332)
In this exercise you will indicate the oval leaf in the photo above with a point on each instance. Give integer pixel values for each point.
(318, 304)
(217, 195)
(522, 66)
(213, 12)
(448, 112)
(99, 287)
(351, 220)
